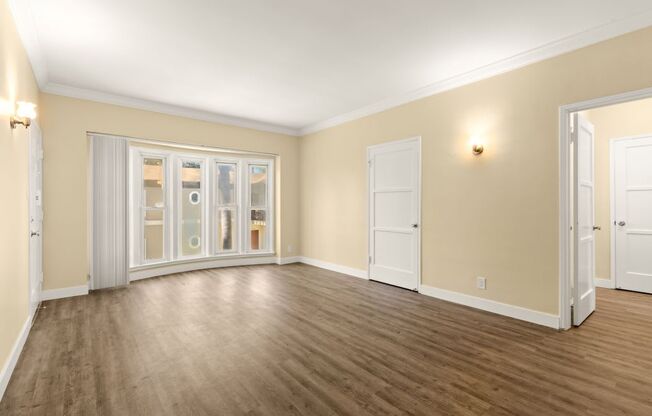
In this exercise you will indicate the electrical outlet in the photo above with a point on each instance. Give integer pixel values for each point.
(290, 248)
(482, 283)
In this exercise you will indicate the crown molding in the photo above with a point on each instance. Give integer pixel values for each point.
(24, 20)
(157, 107)
(26, 27)
(547, 51)
(23, 17)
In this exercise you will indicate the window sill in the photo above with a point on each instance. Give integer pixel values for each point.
(184, 265)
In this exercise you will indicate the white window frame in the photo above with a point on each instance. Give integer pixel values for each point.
(179, 158)
(172, 210)
(238, 204)
(269, 208)
(139, 195)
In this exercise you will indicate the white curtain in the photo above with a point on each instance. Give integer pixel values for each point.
(110, 264)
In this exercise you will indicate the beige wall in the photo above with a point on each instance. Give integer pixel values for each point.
(622, 120)
(495, 215)
(16, 84)
(65, 122)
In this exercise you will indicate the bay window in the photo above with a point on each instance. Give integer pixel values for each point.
(215, 206)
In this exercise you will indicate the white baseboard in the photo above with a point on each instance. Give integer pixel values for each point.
(517, 312)
(606, 283)
(10, 364)
(165, 269)
(65, 292)
(287, 260)
(362, 274)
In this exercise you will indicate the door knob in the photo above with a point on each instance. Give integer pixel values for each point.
(622, 223)
(596, 227)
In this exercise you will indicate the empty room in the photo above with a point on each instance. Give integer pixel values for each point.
(325, 208)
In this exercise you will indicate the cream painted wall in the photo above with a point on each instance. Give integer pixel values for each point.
(65, 122)
(16, 84)
(612, 122)
(495, 215)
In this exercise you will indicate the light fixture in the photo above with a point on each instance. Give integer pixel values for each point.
(25, 113)
(477, 148)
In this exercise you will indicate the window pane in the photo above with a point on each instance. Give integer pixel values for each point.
(258, 185)
(153, 233)
(226, 229)
(191, 208)
(258, 229)
(226, 183)
(153, 182)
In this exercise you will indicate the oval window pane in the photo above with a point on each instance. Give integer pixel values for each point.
(191, 208)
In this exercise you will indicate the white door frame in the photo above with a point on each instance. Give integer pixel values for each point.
(565, 208)
(416, 139)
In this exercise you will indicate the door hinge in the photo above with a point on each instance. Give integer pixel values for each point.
(369, 259)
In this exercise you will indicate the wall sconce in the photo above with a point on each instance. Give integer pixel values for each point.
(477, 148)
(25, 113)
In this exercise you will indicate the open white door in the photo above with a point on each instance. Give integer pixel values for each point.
(394, 198)
(584, 205)
(632, 170)
(35, 216)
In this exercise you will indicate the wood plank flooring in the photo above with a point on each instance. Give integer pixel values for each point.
(297, 340)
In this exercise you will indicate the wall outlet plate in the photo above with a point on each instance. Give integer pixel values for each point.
(482, 283)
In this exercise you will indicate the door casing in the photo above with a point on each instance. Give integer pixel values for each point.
(565, 185)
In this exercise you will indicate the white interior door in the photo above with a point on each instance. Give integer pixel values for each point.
(35, 216)
(584, 194)
(632, 160)
(394, 199)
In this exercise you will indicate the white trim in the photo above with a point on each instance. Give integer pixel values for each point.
(181, 267)
(65, 292)
(565, 214)
(288, 260)
(605, 283)
(360, 273)
(516, 312)
(169, 109)
(547, 51)
(26, 27)
(25, 24)
(10, 363)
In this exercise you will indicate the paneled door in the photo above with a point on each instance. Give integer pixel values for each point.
(584, 203)
(35, 216)
(632, 228)
(394, 199)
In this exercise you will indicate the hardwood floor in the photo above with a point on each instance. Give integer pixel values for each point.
(297, 340)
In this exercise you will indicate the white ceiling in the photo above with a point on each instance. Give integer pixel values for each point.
(298, 64)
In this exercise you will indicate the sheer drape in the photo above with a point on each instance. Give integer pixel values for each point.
(110, 264)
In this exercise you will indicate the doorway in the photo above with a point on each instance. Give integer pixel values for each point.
(605, 201)
(394, 213)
